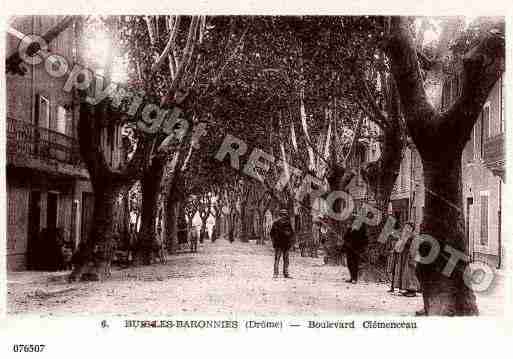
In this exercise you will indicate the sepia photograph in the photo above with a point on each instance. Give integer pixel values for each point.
(175, 166)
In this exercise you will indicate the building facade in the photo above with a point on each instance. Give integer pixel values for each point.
(483, 177)
(47, 184)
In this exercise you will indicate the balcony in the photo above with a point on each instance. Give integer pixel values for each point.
(34, 147)
(493, 155)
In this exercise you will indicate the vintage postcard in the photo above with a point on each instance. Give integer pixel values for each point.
(184, 173)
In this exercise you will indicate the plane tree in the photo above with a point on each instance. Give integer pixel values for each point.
(440, 138)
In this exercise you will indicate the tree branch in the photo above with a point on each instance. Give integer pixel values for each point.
(483, 66)
(406, 70)
(232, 55)
(168, 49)
(377, 113)
(187, 54)
(370, 113)
(356, 136)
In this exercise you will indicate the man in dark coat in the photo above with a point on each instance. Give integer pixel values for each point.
(282, 236)
(355, 241)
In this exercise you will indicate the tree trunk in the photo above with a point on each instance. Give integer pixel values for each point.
(338, 180)
(443, 220)
(216, 232)
(170, 227)
(261, 227)
(440, 139)
(231, 225)
(147, 241)
(203, 229)
(126, 218)
(243, 223)
(93, 259)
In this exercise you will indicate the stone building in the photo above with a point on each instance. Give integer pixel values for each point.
(483, 177)
(47, 183)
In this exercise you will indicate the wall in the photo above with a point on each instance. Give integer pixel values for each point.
(21, 98)
(21, 91)
(478, 180)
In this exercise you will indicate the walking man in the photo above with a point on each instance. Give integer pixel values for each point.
(194, 239)
(282, 236)
(355, 241)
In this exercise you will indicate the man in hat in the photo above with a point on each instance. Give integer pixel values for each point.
(355, 241)
(193, 238)
(282, 236)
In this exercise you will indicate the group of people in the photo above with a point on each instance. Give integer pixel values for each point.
(401, 263)
(400, 266)
(282, 236)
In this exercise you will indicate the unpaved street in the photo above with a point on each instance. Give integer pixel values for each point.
(221, 279)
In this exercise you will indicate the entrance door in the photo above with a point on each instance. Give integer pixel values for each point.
(34, 216)
(87, 215)
(468, 245)
(51, 217)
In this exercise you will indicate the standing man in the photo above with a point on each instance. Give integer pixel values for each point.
(409, 281)
(282, 236)
(355, 241)
(194, 239)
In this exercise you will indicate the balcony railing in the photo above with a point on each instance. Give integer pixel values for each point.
(25, 140)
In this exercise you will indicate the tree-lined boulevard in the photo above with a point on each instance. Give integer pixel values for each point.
(222, 122)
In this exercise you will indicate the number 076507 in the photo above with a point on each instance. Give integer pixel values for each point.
(28, 348)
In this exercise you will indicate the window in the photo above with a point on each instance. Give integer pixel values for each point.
(484, 218)
(485, 127)
(61, 119)
(444, 95)
(43, 112)
(477, 137)
(12, 207)
(456, 88)
(502, 124)
(401, 174)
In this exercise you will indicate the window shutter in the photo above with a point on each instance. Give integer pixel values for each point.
(484, 220)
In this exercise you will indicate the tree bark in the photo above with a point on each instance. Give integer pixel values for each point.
(440, 139)
(217, 223)
(92, 260)
(126, 218)
(147, 241)
(443, 220)
(243, 223)
(203, 229)
(338, 179)
(261, 227)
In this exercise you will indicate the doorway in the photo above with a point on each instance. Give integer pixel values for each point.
(87, 215)
(468, 245)
(51, 216)
(34, 219)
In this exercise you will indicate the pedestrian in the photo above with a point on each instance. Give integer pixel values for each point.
(193, 238)
(323, 234)
(409, 281)
(355, 242)
(282, 236)
(394, 258)
(314, 243)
